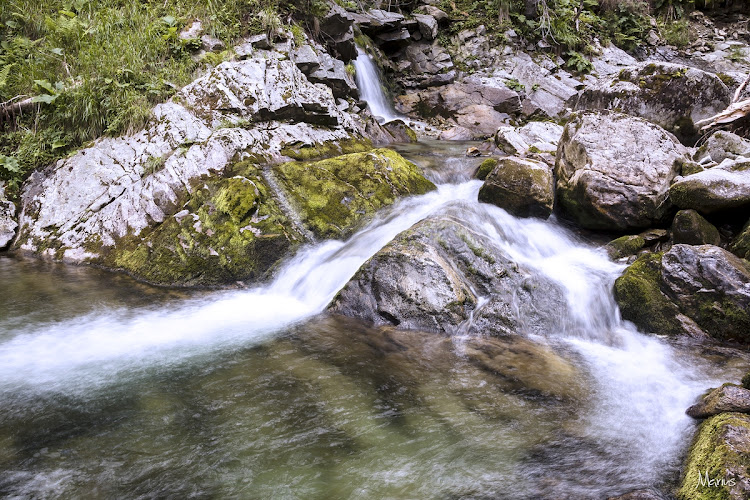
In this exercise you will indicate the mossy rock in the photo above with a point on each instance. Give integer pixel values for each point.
(485, 168)
(641, 300)
(228, 229)
(691, 228)
(721, 454)
(741, 245)
(625, 246)
(307, 152)
(334, 196)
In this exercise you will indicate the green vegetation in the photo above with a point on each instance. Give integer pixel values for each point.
(88, 68)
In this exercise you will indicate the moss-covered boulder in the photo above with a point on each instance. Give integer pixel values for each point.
(741, 245)
(485, 168)
(228, 229)
(721, 188)
(523, 187)
(694, 290)
(334, 196)
(690, 228)
(719, 460)
(625, 246)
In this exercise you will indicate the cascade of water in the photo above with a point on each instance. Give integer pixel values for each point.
(371, 87)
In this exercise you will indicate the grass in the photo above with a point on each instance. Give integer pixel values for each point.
(97, 67)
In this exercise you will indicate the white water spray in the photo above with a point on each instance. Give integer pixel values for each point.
(370, 87)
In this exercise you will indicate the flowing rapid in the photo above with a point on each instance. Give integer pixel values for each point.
(254, 393)
(371, 87)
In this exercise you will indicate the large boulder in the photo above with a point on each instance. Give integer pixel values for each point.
(722, 145)
(523, 187)
(333, 196)
(724, 187)
(719, 460)
(693, 290)
(672, 96)
(187, 191)
(8, 222)
(690, 228)
(728, 397)
(337, 26)
(534, 137)
(432, 276)
(614, 171)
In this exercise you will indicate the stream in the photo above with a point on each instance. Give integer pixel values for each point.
(111, 388)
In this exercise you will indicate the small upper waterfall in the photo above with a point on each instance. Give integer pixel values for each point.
(371, 87)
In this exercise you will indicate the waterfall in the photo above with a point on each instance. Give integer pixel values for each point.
(370, 87)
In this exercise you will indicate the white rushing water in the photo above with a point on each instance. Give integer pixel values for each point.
(370, 87)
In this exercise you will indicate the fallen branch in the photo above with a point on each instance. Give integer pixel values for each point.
(738, 93)
(9, 110)
(733, 113)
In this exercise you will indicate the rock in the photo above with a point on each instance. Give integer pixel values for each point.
(473, 152)
(8, 222)
(437, 14)
(534, 137)
(485, 168)
(672, 96)
(624, 246)
(334, 196)
(727, 398)
(523, 187)
(430, 276)
(332, 72)
(456, 134)
(306, 59)
(152, 196)
(428, 26)
(694, 290)
(259, 42)
(192, 32)
(719, 459)
(651, 236)
(690, 228)
(425, 65)
(400, 131)
(720, 188)
(741, 245)
(211, 44)
(722, 145)
(614, 171)
(338, 27)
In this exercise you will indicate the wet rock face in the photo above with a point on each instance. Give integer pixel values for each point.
(727, 398)
(672, 96)
(718, 460)
(693, 290)
(523, 187)
(432, 277)
(721, 188)
(614, 171)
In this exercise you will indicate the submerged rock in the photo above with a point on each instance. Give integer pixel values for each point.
(672, 96)
(523, 187)
(614, 171)
(694, 290)
(690, 228)
(432, 277)
(727, 398)
(719, 460)
(8, 222)
(724, 187)
(333, 196)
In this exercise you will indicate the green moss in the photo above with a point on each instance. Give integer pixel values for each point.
(711, 455)
(228, 230)
(333, 196)
(640, 299)
(485, 168)
(306, 152)
(741, 245)
(625, 246)
(691, 228)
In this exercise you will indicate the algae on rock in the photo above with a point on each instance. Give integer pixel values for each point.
(227, 230)
(333, 196)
